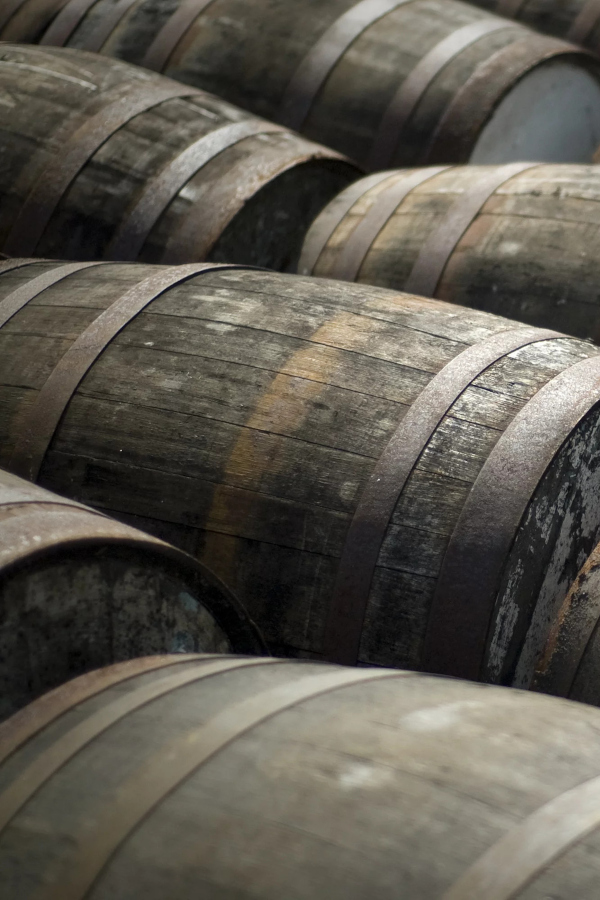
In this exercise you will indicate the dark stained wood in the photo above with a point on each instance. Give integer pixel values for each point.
(248, 53)
(570, 663)
(241, 414)
(531, 253)
(250, 200)
(239, 778)
(79, 590)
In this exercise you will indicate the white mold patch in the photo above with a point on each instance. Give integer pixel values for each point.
(439, 718)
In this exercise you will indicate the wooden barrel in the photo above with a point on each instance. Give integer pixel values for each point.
(269, 778)
(102, 160)
(378, 477)
(520, 240)
(577, 21)
(79, 590)
(387, 82)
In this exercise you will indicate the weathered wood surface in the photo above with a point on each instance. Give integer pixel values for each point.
(574, 20)
(249, 197)
(531, 251)
(255, 778)
(570, 664)
(241, 415)
(79, 590)
(397, 84)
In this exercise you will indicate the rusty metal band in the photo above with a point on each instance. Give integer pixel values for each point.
(21, 296)
(354, 252)
(165, 43)
(509, 8)
(77, 151)
(161, 190)
(43, 416)
(29, 721)
(332, 216)
(437, 249)
(585, 22)
(43, 767)
(11, 264)
(414, 87)
(317, 65)
(224, 197)
(528, 849)
(393, 469)
(104, 29)
(101, 32)
(476, 555)
(42, 526)
(14, 490)
(66, 22)
(9, 9)
(459, 128)
(174, 763)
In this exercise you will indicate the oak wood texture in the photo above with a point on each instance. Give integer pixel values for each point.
(570, 663)
(530, 251)
(103, 160)
(79, 590)
(420, 78)
(257, 778)
(241, 415)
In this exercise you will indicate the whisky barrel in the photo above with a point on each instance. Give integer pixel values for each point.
(270, 778)
(577, 21)
(521, 240)
(387, 82)
(79, 590)
(102, 160)
(378, 477)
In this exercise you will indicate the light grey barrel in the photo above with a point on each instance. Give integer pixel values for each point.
(238, 778)
(520, 240)
(79, 590)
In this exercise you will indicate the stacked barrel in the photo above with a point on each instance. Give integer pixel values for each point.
(299, 366)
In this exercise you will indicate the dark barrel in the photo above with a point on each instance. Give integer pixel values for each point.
(79, 590)
(102, 160)
(237, 778)
(387, 82)
(576, 20)
(520, 240)
(378, 477)
(570, 663)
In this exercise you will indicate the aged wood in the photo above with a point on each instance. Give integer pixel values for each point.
(569, 663)
(242, 416)
(105, 161)
(577, 21)
(387, 82)
(79, 590)
(220, 777)
(524, 245)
